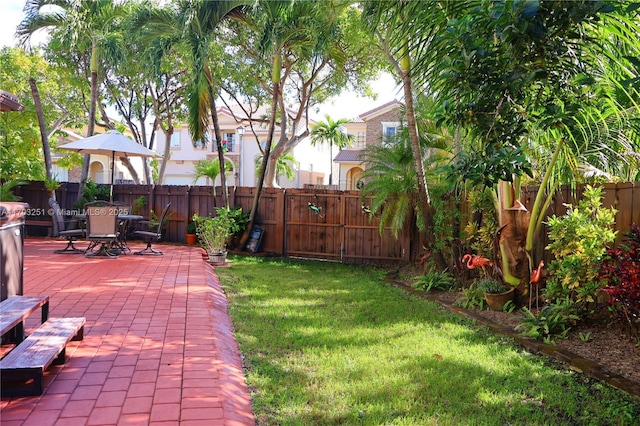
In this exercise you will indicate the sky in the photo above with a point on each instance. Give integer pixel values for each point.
(348, 105)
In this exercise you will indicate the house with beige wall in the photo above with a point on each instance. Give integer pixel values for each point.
(242, 137)
(369, 128)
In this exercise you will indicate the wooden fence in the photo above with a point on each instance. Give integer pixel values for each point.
(624, 197)
(340, 229)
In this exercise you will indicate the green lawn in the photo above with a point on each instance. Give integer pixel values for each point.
(330, 344)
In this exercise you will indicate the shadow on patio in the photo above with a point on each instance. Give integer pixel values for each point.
(158, 347)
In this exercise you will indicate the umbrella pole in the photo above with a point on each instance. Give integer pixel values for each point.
(113, 166)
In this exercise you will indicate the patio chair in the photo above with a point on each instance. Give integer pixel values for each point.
(65, 229)
(151, 236)
(123, 225)
(102, 229)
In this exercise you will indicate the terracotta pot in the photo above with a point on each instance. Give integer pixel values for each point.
(496, 301)
(192, 238)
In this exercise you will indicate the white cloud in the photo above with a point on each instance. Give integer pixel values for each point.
(11, 12)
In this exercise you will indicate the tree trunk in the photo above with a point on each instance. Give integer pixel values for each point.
(424, 203)
(511, 237)
(278, 150)
(43, 131)
(134, 173)
(216, 129)
(92, 116)
(263, 168)
(165, 156)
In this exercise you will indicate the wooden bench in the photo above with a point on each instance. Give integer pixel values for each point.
(14, 311)
(22, 370)
(47, 223)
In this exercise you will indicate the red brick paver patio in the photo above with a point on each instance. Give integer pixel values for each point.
(158, 349)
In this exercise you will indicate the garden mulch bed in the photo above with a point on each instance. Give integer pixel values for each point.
(609, 354)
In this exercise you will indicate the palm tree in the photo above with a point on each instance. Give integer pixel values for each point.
(82, 26)
(279, 22)
(211, 169)
(333, 133)
(385, 18)
(284, 165)
(193, 24)
(512, 89)
(390, 180)
(390, 177)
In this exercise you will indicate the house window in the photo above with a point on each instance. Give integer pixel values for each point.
(230, 142)
(175, 140)
(389, 131)
(360, 140)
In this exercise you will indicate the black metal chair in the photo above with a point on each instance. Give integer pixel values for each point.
(65, 229)
(151, 236)
(102, 229)
(123, 225)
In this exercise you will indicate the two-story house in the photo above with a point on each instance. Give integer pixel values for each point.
(241, 140)
(370, 128)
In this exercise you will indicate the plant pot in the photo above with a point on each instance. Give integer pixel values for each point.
(192, 238)
(496, 301)
(217, 259)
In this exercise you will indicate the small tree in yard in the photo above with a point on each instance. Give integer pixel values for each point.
(331, 132)
(579, 241)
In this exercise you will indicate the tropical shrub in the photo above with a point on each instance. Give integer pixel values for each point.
(480, 232)
(6, 189)
(579, 242)
(92, 192)
(552, 321)
(620, 270)
(472, 298)
(434, 280)
(214, 233)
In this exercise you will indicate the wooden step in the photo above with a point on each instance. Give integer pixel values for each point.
(22, 370)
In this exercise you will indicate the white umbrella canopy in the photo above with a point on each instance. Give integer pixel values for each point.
(112, 143)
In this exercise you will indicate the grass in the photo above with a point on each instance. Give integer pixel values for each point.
(330, 344)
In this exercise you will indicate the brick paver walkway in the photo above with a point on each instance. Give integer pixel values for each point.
(158, 348)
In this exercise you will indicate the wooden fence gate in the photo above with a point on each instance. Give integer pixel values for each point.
(336, 225)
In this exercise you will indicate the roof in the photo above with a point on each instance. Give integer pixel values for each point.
(261, 115)
(9, 102)
(380, 109)
(349, 156)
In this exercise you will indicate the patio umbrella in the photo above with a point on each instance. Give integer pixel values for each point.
(111, 144)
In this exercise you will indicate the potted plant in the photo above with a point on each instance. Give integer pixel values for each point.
(496, 293)
(191, 233)
(213, 234)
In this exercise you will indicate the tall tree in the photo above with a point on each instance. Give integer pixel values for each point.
(514, 74)
(23, 152)
(80, 26)
(313, 53)
(193, 24)
(384, 18)
(332, 133)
